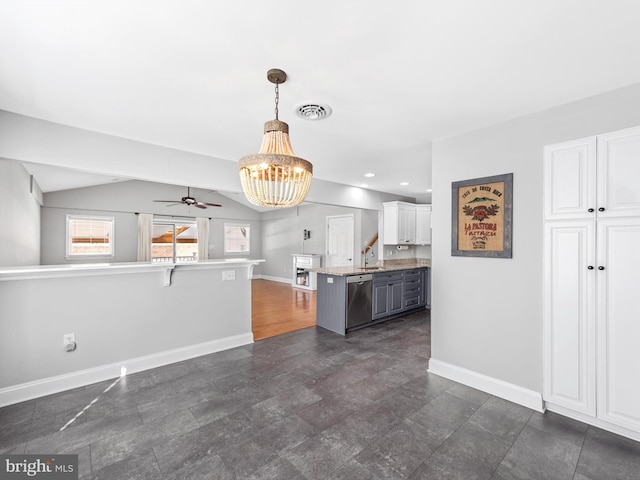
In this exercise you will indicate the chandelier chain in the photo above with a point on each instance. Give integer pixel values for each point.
(277, 99)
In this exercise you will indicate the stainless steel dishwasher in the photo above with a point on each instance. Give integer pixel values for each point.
(359, 293)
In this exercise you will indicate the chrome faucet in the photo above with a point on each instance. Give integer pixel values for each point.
(366, 260)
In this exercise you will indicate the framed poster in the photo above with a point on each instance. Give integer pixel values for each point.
(482, 217)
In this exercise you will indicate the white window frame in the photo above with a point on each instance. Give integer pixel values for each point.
(226, 246)
(112, 249)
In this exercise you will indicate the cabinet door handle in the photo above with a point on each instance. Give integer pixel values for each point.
(590, 267)
(591, 210)
(600, 267)
(601, 209)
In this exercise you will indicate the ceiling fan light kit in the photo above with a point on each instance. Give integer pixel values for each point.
(275, 177)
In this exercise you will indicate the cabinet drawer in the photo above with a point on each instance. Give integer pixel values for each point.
(412, 289)
(411, 301)
(388, 277)
(412, 275)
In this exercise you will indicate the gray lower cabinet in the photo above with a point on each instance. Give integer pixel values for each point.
(414, 292)
(393, 293)
(331, 303)
(387, 294)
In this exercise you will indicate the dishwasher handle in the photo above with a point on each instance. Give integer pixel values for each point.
(360, 279)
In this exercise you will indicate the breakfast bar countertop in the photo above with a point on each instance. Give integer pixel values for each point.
(384, 266)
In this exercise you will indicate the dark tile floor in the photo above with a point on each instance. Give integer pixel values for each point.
(312, 405)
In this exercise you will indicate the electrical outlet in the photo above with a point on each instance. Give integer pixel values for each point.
(229, 275)
(329, 279)
(68, 338)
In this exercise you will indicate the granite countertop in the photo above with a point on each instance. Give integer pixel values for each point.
(385, 266)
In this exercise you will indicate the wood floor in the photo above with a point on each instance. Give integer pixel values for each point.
(278, 308)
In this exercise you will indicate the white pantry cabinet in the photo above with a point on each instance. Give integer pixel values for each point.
(592, 273)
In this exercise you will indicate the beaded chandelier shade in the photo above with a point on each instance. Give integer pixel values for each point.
(275, 177)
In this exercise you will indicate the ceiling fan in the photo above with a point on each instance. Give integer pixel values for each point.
(189, 201)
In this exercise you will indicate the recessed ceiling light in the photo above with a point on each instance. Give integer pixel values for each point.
(369, 175)
(404, 184)
(429, 190)
(364, 185)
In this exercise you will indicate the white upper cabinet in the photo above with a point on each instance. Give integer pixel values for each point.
(423, 225)
(406, 224)
(593, 177)
(619, 173)
(570, 179)
(399, 223)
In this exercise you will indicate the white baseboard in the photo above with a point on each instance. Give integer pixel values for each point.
(499, 388)
(274, 279)
(48, 386)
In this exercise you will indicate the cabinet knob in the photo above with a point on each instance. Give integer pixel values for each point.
(600, 267)
(591, 210)
(590, 267)
(601, 209)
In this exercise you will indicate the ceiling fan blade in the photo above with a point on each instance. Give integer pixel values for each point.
(199, 205)
(211, 204)
(174, 204)
(167, 201)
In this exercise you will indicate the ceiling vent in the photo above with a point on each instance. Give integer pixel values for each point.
(313, 111)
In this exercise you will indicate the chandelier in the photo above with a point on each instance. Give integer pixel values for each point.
(275, 177)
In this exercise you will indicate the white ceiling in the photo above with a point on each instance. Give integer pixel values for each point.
(192, 74)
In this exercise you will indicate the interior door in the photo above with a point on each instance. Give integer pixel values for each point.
(340, 245)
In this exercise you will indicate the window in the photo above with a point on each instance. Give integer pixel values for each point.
(89, 236)
(236, 238)
(174, 242)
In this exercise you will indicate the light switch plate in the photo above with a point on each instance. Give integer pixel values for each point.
(229, 275)
(329, 279)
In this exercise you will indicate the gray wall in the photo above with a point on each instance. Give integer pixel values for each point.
(369, 227)
(275, 234)
(19, 217)
(54, 232)
(115, 318)
(282, 234)
(487, 313)
(122, 200)
(216, 242)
